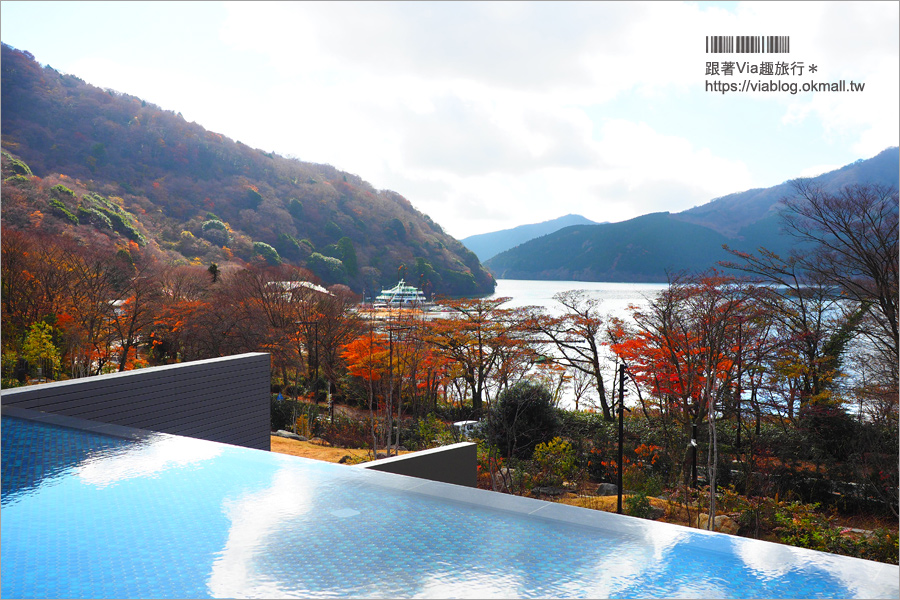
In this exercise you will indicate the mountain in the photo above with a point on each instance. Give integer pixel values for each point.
(79, 160)
(648, 248)
(487, 245)
(730, 214)
(631, 250)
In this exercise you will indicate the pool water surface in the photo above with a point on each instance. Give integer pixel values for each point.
(87, 514)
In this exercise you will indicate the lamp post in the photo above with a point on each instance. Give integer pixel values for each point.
(737, 443)
(694, 455)
(621, 408)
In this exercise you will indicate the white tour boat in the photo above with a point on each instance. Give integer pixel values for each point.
(402, 296)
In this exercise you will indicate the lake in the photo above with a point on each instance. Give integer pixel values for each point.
(615, 297)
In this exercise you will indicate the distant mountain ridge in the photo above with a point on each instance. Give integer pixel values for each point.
(648, 248)
(487, 245)
(730, 214)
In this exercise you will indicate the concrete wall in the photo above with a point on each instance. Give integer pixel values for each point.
(456, 463)
(222, 399)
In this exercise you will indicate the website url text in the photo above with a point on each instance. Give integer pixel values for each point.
(747, 85)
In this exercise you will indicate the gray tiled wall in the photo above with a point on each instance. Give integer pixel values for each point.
(221, 399)
(456, 463)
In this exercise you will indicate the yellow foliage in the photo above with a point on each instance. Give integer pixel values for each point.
(301, 426)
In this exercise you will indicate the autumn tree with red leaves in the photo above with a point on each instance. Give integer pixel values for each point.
(682, 349)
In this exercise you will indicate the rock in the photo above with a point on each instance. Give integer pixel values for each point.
(607, 489)
(857, 534)
(302, 438)
(722, 523)
(288, 434)
(656, 513)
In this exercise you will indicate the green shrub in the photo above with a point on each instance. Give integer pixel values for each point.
(119, 220)
(18, 167)
(267, 252)
(216, 231)
(347, 254)
(329, 269)
(295, 207)
(510, 475)
(641, 480)
(637, 505)
(60, 210)
(395, 229)
(92, 216)
(17, 179)
(121, 224)
(214, 224)
(7, 383)
(281, 413)
(217, 237)
(288, 247)
(429, 432)
(882, 545)
(522, 418)
(253, 198)
(555, 461)
(804, 526)
(61, 190)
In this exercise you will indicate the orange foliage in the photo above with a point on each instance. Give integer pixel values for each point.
(365, 356)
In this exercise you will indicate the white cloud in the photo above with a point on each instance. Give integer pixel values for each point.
(468, 101)
(488, 115)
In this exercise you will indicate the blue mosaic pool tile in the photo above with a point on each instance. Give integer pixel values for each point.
(174, 517)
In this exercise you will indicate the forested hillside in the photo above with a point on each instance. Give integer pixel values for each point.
(91, 160)
(628, 251)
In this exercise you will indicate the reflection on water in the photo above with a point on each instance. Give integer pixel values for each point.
(173, 517)
(36, 454)
(145, 459)
(257, 520)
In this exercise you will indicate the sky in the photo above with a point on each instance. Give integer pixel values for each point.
(490, 115)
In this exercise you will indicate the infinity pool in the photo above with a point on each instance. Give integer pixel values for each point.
(99, 511)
